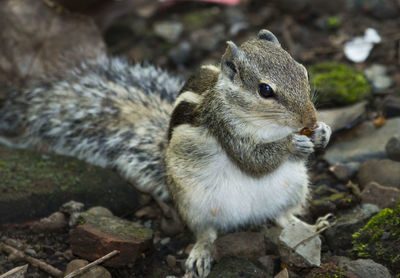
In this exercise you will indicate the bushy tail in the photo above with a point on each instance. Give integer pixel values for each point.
(110, 114)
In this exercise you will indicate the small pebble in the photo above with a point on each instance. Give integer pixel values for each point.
(171, 261)
(71, 207)
(393, 148)
(30, 252)
(165, 241)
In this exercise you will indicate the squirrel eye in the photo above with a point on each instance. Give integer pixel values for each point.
(265, 90)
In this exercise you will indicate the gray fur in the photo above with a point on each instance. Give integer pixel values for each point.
(109, 113)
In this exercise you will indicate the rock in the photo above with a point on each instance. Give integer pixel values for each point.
(75, 36)
(361, 268)
(248, 245)
(99, 211)
(31, 252)
(362, 142)
(376, 74)
(171, 261)
(385, 172)
(165, 241)
(340, 235)
(393, 148)
(267, 263)
(271, 239)
(17, 272)
(382, 196)
(208, 39)
(181, 53)
(306, 254)
(345, 171)
(391, 106)
(379, 239)
(94, 272)
(71, 207)
(56, 221)
(44, 183)
(97, 235)
(338, 84)
(343, 117)
(231, 267)
(168, 30)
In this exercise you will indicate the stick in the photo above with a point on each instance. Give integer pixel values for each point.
(88, 266)
(313, 235)
(20, 254)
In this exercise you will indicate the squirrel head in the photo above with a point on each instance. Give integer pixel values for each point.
(264, 84)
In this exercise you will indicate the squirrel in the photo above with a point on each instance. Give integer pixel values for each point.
(225, 146)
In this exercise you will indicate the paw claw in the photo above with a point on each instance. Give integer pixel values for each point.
(302, 145)
(198, 264)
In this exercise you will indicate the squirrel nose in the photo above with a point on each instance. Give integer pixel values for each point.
(310, 117)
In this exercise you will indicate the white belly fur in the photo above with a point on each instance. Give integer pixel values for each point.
(230, 198)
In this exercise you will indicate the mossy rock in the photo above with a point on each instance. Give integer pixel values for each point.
(379, 239)
(337, 84)
(34, 185)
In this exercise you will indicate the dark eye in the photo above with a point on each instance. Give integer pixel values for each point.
(265, 91)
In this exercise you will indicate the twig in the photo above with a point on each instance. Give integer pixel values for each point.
(21, 255)
(314, 235)
(88, 266)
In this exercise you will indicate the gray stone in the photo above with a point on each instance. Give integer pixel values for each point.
(345, 171)
(94, 272)
(386, 172)
(248, 245)
(71, 207)
(31, 252)
(376, 74)
(362, 142)
(362, 268)
(99, 211)
(306, 254)
(343, 117)
(181, 53)
(391, 106)
(393, 148)
(231, 267)
(168, 30)
(382, 196)
(340, 235)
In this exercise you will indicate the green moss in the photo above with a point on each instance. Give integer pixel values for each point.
(113, 225)
(338, 84)
(332, 22)
(379, 239)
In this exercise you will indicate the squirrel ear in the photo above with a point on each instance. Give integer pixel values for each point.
(232, 54)
(268, 36)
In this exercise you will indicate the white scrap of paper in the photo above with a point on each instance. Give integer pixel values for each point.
(358, 49)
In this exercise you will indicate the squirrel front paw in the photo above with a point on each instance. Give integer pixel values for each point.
(302, 146)
(321, 135)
